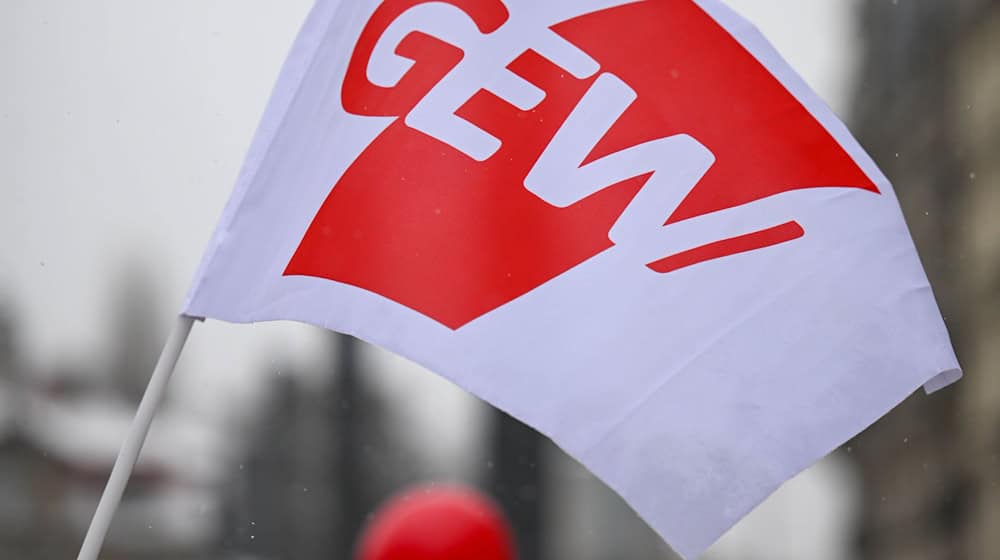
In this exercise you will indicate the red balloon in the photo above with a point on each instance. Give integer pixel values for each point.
(437, 523)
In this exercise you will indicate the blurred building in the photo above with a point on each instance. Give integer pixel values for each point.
(324, 454)
(60, 431)
(928, 109)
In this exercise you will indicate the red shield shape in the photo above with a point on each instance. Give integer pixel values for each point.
(423, 224)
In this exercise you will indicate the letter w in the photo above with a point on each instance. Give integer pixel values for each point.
(676, 164)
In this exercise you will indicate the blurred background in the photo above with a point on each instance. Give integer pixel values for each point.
(122, 126)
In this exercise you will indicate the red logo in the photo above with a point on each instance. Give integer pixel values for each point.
(439, 212)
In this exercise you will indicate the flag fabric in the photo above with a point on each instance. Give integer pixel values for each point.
(627, 223)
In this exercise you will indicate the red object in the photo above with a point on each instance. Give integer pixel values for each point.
(437, 523)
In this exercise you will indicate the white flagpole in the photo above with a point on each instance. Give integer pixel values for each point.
(129, 453)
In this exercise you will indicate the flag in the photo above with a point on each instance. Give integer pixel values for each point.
(627, 223)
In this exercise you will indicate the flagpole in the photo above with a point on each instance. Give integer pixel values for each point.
(129, 453)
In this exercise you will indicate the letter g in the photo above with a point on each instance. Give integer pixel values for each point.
(408, 46)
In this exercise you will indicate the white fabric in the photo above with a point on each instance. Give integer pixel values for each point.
(694, 394)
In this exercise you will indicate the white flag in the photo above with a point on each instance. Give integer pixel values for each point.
(627, 223)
